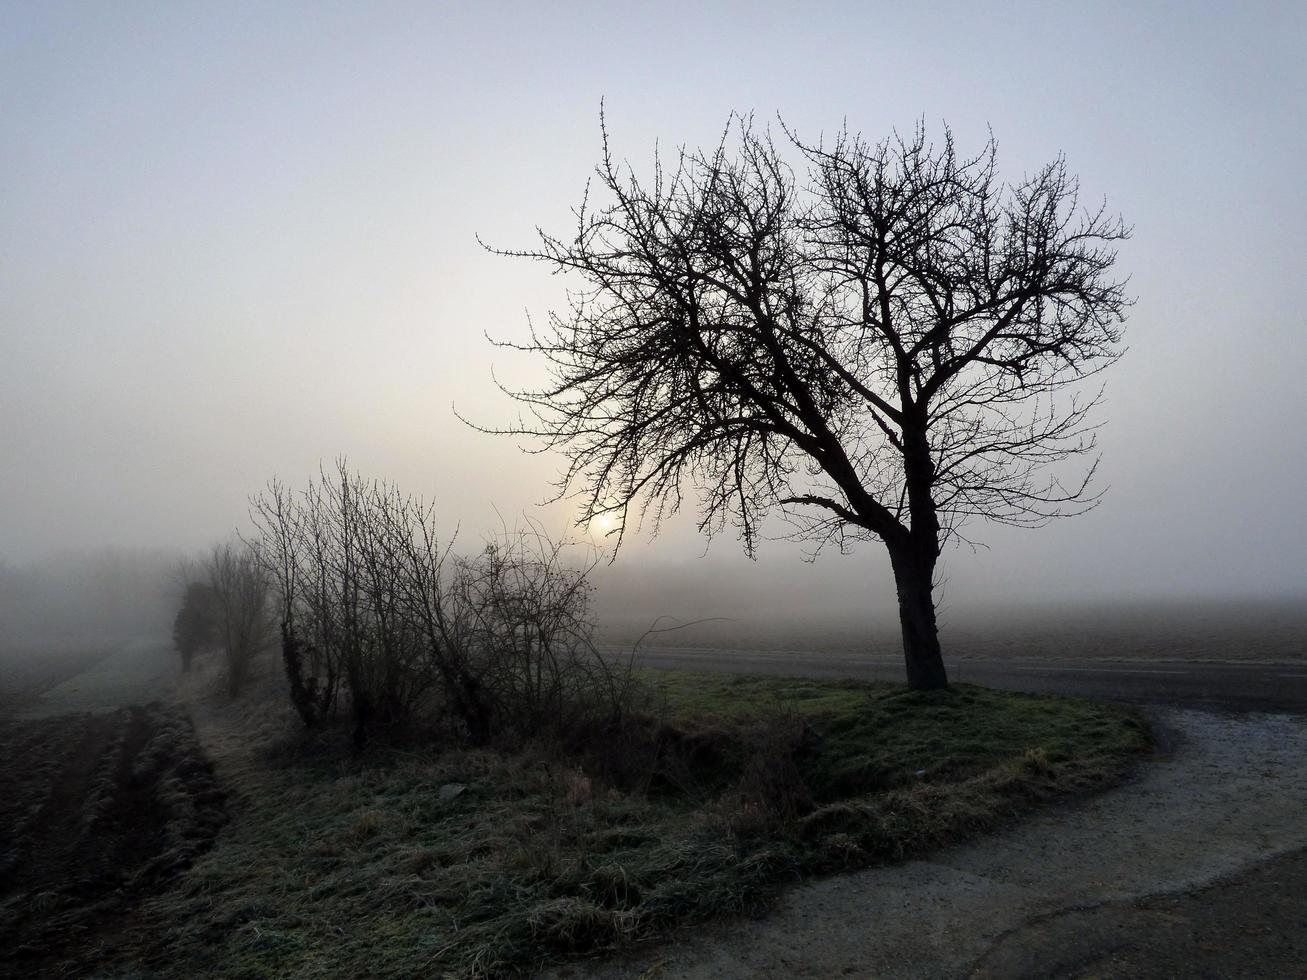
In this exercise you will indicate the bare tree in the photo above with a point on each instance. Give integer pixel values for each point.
(240, 591)
(340, 555)
(195, 625)
(893, 347)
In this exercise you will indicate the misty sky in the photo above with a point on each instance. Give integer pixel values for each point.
(238, 239)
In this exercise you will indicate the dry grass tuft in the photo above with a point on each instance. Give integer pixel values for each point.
(365, 826)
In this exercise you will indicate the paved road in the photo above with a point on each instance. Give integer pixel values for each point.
(1215, 686)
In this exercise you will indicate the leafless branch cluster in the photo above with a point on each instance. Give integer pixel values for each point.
(893, 346)
(788, 346)
(372, 605)
(238, 596)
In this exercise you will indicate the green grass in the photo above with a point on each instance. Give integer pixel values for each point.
(335, 866)
(878, 736)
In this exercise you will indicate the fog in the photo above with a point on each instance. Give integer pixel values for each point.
(89, 600)
(239, 241)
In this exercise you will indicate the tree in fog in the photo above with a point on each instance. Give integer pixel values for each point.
(242, 613)
(194, 626)
(882, 350)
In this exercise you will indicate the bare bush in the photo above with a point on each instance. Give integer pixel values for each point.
(521, 614)
(772, 788)
(360, 572)
(240, 590)
(370, 603)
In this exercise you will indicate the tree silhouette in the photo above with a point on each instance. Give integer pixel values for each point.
(884, 351)
(195, 625)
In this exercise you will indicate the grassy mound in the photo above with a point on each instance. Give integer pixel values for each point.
(486, 863)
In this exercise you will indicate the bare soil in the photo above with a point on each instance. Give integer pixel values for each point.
(96, 812)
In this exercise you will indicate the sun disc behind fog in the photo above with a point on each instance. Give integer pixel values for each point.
(602, 523)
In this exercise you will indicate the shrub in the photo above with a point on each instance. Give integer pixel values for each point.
(195, 626)
(497, 644)
(240, 586)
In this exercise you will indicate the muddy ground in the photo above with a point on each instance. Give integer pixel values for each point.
(97, 810)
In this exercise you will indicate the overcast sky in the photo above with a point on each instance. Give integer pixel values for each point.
(238, 239)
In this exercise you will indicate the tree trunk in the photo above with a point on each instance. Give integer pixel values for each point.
(913, 576)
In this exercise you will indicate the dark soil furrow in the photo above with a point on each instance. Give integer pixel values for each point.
(124, 800)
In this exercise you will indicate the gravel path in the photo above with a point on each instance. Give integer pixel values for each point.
(1223, 794)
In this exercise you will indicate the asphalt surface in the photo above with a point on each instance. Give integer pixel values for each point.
(1252, 925)
(1212, 686)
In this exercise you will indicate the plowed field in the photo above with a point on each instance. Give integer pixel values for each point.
(96, 811)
